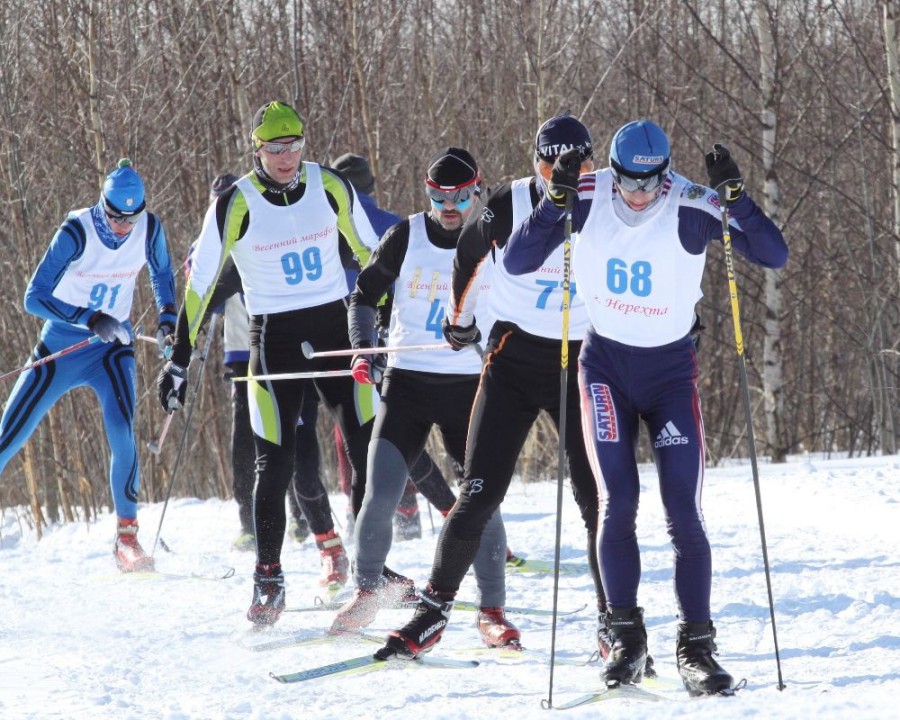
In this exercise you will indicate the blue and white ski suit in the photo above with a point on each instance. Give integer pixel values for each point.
(88, 268)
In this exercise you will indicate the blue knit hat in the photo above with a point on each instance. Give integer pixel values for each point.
(123, 190)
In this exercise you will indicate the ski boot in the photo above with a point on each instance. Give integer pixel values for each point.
(628, 652)
(604, 644)
(130, 556)
(395, 589)
(335, 564)
(513, 560)
(358, 612)
(425, 629)
(268, 595)
(699, 671)
(496, 631)
(298, 528)
(604, 641)
(407, 523)
(245, 542)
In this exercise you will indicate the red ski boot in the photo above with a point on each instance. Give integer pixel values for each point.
(335, 564)
(130, 556)
(496, 630)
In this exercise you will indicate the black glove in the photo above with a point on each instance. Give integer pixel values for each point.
(107, 328)
(723, 170)
(171, 386)
(564, 177)
(460, 337)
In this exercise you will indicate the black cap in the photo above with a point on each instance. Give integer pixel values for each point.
(561, 133)
(356, 169)
(222, 183)
(452, 167)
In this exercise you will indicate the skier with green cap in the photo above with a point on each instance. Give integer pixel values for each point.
(289, 226)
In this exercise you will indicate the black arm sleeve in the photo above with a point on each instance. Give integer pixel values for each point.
(479, 236)
(228, 284)
(383, 268)
(375, 279)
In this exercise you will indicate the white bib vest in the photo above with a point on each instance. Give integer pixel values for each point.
(533, 301)
(103, 278)
(421, 296)
(289, 257)
(639, 284)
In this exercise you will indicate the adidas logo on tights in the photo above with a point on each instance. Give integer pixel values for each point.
(668, 436)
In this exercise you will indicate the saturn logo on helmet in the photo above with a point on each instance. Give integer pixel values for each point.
(649, 159)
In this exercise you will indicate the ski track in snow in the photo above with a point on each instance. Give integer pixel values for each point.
(78, 640)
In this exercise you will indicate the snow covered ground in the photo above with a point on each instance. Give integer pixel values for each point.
(78, 640)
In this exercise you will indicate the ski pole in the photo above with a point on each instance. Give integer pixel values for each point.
(748, 415)
(50, 358)
(561, 455)
(184, 435)
(295, 376)
(167, 351)
(309, 353)
(155, 447)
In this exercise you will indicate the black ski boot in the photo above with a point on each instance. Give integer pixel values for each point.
(604, 645)
(268, 595)
(699, 671)
(628, 654)
(424, 631)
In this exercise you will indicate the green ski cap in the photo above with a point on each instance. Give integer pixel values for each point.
(275, 120)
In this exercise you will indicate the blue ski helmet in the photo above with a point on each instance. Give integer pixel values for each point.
(639, 149)
(561, 133)
(123, 190)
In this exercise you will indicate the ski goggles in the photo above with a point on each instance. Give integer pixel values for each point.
(277, 148)
(117, 216)
(642, 184)
(460, 196)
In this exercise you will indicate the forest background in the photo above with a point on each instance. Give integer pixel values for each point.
(805, 92)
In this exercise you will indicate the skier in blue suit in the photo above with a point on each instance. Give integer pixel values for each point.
(639, 255)
(84, 288)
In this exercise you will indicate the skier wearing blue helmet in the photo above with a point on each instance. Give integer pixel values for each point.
(638, 258)
(639, 156)
(83, 288)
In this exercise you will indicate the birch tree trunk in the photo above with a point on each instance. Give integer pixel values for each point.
(773, 360)
(891, 38)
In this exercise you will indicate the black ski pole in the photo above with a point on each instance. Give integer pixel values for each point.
(184, 435)
(561, 455)
(748, 415)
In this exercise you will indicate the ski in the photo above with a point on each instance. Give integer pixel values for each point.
(223, 574)
(465, 605)
(513, 653)
(320, 604)
(305, 638)
(524, 565)
(623, 692)
(366, 663)
(540, 612)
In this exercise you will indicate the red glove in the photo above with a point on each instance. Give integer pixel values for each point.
(366, 370)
